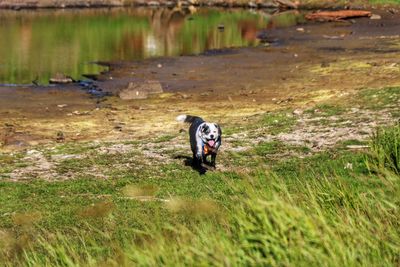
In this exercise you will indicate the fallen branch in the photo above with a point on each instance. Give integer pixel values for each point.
(337, 15)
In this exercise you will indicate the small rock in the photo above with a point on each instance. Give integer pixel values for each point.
(375, 16)
(159, 65)
(118, 128)
(184, 96)
(268, 4)
(184, 3)
(60, 78)
(357, 146)
(348, 166)
(60, 137)
(142, 90)
(252, 5)
(62, 105)
(300, 29)
(76, 112)
(153, 3)
(287, 3)
(297, 112)
(325, 64)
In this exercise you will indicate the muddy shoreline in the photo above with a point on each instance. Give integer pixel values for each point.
(259, 4)
(143, 3)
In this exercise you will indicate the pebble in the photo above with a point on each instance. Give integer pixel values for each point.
(375, 16)
(297, 112)
(252, 5)
(348, 166)
(325, 64)
(153, 3)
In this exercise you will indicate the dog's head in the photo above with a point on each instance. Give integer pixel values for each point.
(210, 133)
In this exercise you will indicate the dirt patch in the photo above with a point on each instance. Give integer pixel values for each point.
(38, 167)
(322, 133)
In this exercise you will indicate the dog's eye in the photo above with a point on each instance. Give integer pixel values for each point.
(206, 129)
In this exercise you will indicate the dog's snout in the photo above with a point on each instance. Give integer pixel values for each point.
(211, 135)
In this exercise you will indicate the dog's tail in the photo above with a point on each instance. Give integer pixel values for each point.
(187, 118)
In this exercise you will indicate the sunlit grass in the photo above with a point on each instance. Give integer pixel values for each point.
(385, 152)
(300, 211)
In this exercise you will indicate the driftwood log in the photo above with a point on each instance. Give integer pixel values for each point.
(338, 15)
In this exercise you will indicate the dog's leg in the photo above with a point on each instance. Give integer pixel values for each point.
(205, 159)
(196, 160)
(213, 158)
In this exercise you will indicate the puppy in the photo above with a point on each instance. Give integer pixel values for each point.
(205, 139)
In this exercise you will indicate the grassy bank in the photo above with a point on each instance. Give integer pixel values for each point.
(270, 201)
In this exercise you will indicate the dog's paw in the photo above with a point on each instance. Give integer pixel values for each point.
(208, 167)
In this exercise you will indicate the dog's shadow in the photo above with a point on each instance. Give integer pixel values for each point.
(188, 161)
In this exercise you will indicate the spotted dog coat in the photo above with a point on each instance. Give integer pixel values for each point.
(205, 138)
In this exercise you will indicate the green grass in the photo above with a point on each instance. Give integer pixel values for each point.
(9, 162)
(384, 1)
(273, 204)
(385, 154)
(378, 98)
(326, 110)
(164, 138)
(278, 122)
(294, 211)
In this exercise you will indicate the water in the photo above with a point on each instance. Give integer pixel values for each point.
(35, 45)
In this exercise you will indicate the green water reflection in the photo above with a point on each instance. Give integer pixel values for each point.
(38, 44)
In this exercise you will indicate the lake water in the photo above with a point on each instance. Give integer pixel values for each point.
(35, 45)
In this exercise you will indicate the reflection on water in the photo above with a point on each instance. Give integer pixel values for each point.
(35, 45)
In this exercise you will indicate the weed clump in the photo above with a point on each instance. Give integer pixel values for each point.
(385, 149)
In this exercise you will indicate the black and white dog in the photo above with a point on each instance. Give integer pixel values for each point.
(205, 139)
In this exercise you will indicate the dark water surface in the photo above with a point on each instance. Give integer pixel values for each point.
(35, 45)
